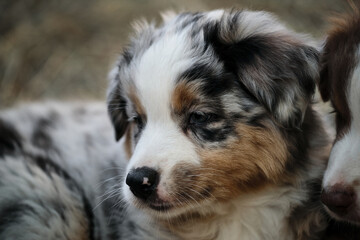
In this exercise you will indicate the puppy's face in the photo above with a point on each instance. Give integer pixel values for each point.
(340, 82)
(203, 102)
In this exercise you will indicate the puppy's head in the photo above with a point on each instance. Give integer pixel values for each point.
(206, 103)
(340, 83)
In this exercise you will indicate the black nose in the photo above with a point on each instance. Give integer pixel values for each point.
(339, 199)
(142, 181)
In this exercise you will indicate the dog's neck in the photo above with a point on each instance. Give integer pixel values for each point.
(262, 215)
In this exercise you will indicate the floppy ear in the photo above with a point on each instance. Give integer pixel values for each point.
(116, 104)
(274, 64)
(285, 79)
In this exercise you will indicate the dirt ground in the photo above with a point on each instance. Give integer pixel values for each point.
(63, 49)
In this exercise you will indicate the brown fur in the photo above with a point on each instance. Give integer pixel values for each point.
(338, 61)
(184, 96)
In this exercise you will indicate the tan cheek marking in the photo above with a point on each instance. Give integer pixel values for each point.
(139, 108)
(255, 159)
(128, 145)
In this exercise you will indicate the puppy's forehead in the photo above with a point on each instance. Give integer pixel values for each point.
(175, 48)
(181, 43)
(158, 69)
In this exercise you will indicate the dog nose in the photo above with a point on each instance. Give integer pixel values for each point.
(339, 198)
(142, 181)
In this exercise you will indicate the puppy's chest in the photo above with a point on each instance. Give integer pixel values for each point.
(254, 223)
(258, 218)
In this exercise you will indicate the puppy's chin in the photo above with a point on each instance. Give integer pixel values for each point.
(353, 217)
(164, 209)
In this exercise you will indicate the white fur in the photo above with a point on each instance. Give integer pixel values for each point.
(162, 144)
(259, 23)
(255, 216)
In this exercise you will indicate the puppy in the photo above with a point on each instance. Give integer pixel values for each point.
(214, 111)
(50, 156)
(340, 83)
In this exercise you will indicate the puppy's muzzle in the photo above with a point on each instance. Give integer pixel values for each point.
(340, 199)
(143, 182)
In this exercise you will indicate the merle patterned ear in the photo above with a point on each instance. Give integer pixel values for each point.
(274, 64)
(116, 104)
(283, 79)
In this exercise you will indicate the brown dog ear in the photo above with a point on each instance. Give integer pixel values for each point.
(274, 64)
(116, 104)
(338, 54)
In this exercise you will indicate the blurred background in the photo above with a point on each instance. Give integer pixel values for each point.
(63, 49)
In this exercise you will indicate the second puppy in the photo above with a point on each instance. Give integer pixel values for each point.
(340, 83)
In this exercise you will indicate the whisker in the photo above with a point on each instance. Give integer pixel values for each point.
(107, 180)
(110, 196)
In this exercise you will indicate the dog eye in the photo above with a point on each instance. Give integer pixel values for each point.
(138, 121)
(199, 118)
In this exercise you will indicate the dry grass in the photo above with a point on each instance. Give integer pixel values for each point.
(63, 49)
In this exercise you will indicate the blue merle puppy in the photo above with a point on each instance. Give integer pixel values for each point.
(215, 113)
